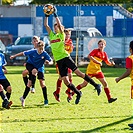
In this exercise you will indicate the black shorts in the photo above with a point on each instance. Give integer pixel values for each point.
(64, 64)
(5, 83)
(40, 75)
(30, 67)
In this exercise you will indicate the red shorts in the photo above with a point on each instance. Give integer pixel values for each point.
(97, 75)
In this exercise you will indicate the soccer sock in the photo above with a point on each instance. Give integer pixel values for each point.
(59, 82)
(73, 88)
(33, 85)
(68, 89)
(25, 79)
(3, 95)
(44, 90)
(78, 87)
(89, 80)
(107, 92)
(27, 89)
(8, 95)
(33, 80)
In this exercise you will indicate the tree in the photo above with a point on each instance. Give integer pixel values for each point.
(7, 2)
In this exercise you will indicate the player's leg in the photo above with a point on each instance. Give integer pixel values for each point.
(26, 92)
(70, 64)
(73, 88)
(5, 104)
(30, 68)
(70, 79)
(7, 87)
(25, 77)
(63, 69)
(79, 87)
(89, 80)
(43, 86)
(107, 90)
(33, 79)
(58, 86)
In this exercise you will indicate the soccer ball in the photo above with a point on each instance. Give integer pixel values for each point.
(48, 9)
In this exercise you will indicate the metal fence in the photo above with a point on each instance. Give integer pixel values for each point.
(112, 20)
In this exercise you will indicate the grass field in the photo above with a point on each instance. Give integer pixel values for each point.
(92, 115)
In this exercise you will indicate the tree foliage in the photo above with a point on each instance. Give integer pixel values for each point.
(7, 2)
(128, 3)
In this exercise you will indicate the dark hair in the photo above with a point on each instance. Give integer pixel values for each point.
(131, 45)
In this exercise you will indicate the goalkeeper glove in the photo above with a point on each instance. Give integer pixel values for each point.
(46, 15)
(55, 12)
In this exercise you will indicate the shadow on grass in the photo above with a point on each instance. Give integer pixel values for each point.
(54, 119)
(102, 127)
(15, 107)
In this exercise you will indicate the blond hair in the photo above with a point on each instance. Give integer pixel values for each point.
(102, 40)
(41, 44)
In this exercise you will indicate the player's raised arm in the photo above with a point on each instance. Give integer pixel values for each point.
(48, 9)
(19, 54)
(46, 24)
(61, 27)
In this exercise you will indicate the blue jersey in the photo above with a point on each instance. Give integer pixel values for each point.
(2, 63)
(37, 60)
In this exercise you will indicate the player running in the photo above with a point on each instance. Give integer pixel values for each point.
(4, 84)
(96, 57)
(35, 62)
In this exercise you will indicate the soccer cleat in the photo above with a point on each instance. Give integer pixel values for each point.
(6, 104)
(22, 101)
(69, 98)
(112, 100)
(78, 97)
(57, 97)
(32, 90)
(130, 125)
(98, 88)
(45, 102)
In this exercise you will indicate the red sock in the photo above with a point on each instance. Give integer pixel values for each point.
(107, 92)
(58, 86)
(79, 87)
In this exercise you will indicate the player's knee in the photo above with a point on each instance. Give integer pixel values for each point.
(34, 72)
(42, 83)
(1, 88)
(9, 89)
(25, 73)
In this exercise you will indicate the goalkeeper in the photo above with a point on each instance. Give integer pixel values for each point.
(62, 58)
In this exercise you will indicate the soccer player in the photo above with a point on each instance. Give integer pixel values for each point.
(63, 59)
(35, 41)
(129, 71)
(96, 57)
(35, 62)
(69, 48)
(4, 84)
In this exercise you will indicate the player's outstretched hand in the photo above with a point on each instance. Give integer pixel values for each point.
(11, 57)
(117, 80)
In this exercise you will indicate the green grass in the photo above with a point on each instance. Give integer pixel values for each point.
(92, 115)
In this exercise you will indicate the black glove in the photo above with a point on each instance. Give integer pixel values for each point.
(55, 12)
(46, 15)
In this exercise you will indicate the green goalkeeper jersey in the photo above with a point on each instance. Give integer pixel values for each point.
(57, 45)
